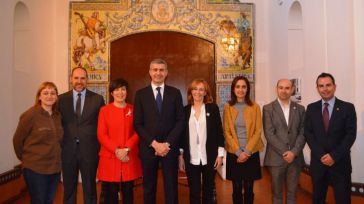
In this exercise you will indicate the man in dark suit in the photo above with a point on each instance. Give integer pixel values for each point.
(283, 128)
(80, 109)
(330, 130)
(159, 121)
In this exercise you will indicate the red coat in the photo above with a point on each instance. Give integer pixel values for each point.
(115, 129)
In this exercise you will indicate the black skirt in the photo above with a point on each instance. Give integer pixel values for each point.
(249, 170)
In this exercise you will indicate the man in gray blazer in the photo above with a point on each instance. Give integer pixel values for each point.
(283, 129)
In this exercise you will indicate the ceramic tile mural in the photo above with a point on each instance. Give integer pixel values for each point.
(227, 23)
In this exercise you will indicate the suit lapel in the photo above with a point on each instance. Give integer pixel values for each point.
(234, 114)
(150, 96)
(335, 112)
(166, 98)
(208, 117)
(87, 104)
(292, 113)
(319, 118)
(69, 103)
(166, 93)
(278, 110)
(188, 114)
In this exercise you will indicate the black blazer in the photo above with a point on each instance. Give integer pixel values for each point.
(150, 125)
(339, 137)
(85, 127)
(215, 137)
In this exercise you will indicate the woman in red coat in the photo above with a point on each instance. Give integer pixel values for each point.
(119, 161)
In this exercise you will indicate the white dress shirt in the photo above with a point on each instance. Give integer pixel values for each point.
(155, 92)
(197, 133)
(285, 109)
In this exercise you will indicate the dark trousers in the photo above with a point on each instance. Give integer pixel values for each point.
(42, 187)
(150, 175)
(88, 171)
(110, 192)
(341, 183)
(248, 191)
(194, 173)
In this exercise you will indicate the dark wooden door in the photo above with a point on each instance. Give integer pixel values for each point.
(188, 57)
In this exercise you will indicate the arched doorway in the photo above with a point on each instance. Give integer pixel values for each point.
(188, 57)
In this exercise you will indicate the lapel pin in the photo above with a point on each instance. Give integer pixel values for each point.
(207, 114)
(129, 113)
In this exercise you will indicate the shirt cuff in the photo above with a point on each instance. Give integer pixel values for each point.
(247, 151)
(220, 152)
(237, 153)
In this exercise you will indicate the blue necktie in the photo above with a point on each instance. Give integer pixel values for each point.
(158, 99)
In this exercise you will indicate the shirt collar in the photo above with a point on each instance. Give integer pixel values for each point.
(83, 93)
(281, 103)
(202, 109)
(44, 112)
(154, 87)
(41, 110)
(331, 102)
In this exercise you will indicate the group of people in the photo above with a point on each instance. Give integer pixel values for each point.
(119, 142)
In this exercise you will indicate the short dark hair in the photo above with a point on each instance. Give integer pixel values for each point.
(73, 70)
(233, 98)
(324, 75)
(117, 83)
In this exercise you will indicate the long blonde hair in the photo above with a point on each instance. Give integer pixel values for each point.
(44, 85)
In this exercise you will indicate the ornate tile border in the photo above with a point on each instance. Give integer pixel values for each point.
(205, 5)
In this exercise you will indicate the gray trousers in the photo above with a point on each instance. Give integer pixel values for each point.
(288, 174)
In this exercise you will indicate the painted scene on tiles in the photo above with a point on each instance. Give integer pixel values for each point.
(88, 44)
(236, 47)
(101, 89)
(230, 26)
